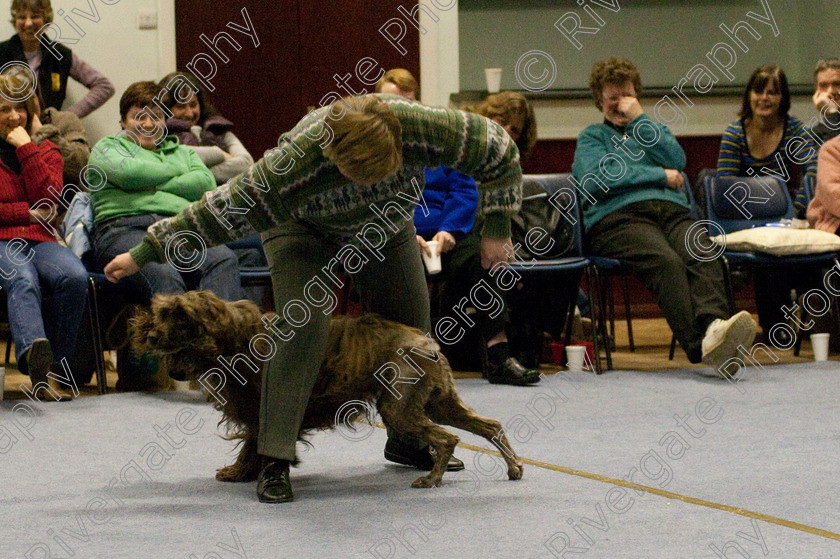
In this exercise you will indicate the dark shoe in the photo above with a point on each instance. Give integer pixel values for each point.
(512, 372)
(39, 359)
(420, 458)
(273, 483)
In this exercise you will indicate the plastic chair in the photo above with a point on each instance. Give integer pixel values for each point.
(565, 272)
(736, 203)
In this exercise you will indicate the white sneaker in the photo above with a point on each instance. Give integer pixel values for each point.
(723, 337)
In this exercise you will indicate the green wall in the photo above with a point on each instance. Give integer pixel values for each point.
(665, 39)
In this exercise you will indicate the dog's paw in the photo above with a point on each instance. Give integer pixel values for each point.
(235, 473)
(424, 482)
(515, 471)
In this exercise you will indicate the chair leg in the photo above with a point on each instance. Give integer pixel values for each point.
(627, 317)
(673, 347)
(98, 345)
(9, 343)
(599, 323)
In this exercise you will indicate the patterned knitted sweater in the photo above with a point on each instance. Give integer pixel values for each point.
(295, 182)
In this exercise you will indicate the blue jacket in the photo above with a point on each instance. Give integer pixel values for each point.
(451, 199)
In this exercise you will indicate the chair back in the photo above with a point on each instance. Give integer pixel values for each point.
(562, 195)
(809, 186)
(737, 203)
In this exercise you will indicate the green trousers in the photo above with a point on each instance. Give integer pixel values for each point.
(297, 254)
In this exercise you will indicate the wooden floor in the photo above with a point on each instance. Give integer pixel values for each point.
(652, 338)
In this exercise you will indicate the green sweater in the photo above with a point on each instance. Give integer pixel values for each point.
(295, 182)
(630, 171)
(141, 181)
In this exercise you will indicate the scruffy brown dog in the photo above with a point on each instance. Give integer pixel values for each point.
(189, 332)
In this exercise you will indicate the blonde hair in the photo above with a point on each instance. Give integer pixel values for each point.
(367, 141)
(510, 104)
(15, 89)
(400, 77)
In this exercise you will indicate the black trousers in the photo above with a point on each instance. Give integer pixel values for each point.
(654, 239)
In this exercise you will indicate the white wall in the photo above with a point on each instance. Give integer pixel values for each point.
(117, 48)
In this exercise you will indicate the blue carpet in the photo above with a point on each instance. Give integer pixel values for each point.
(746, 469)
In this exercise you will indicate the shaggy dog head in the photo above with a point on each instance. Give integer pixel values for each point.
(189, 331)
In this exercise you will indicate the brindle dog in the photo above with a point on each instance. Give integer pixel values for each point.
(188, 332)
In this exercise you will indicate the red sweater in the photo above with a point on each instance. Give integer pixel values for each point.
(41, 167)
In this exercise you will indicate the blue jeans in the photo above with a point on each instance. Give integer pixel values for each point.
(219, 273)
(55, 269)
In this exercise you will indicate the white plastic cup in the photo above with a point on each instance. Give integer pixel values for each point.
(433, 264)
(820, 344)
(574, 357)
(2, 381)
(494, 79)
(181, 385)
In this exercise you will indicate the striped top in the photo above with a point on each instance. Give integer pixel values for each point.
(796, 150)
(296, 182)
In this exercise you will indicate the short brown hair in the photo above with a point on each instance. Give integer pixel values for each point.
(34, 6)
(759, 79)
(367, 141)
(613, 71)
(400, 77)
(14, 88)
(138, 94)
(826, 64)
(507, 105)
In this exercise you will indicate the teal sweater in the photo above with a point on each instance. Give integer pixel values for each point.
(627, 174)
(141, 181)
(295, 182)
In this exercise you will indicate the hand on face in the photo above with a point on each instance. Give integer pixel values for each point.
(18, 137)
(619, 103)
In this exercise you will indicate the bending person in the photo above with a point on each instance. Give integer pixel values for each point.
(341, 187)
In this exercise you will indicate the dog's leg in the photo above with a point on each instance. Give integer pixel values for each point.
(447, 409)
(404, 419)
(247, 465)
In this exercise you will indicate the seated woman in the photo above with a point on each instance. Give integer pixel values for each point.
(451, 197)
(200, 127)
(767, 141)
(53, 64)
(44, 329)
(149, 176)
(635, 210)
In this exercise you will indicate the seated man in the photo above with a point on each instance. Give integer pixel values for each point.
(824, 209)
(827, 99)
(149, 176)
(635, 210)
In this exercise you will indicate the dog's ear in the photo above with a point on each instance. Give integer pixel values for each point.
(139, 327)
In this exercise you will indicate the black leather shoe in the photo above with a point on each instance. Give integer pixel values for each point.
(273, 483)
(420, 458)
(512, 372)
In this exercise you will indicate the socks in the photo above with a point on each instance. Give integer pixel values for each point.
(498, 353)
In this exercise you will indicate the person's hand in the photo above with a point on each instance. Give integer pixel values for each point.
(821, 99)
(18, 137)
(494, 251)
(424, 246)
(43, 215)
(227, 155)
(36, 123)
(121, 266)
(445, 241)
(674, 178)
(630, 107)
